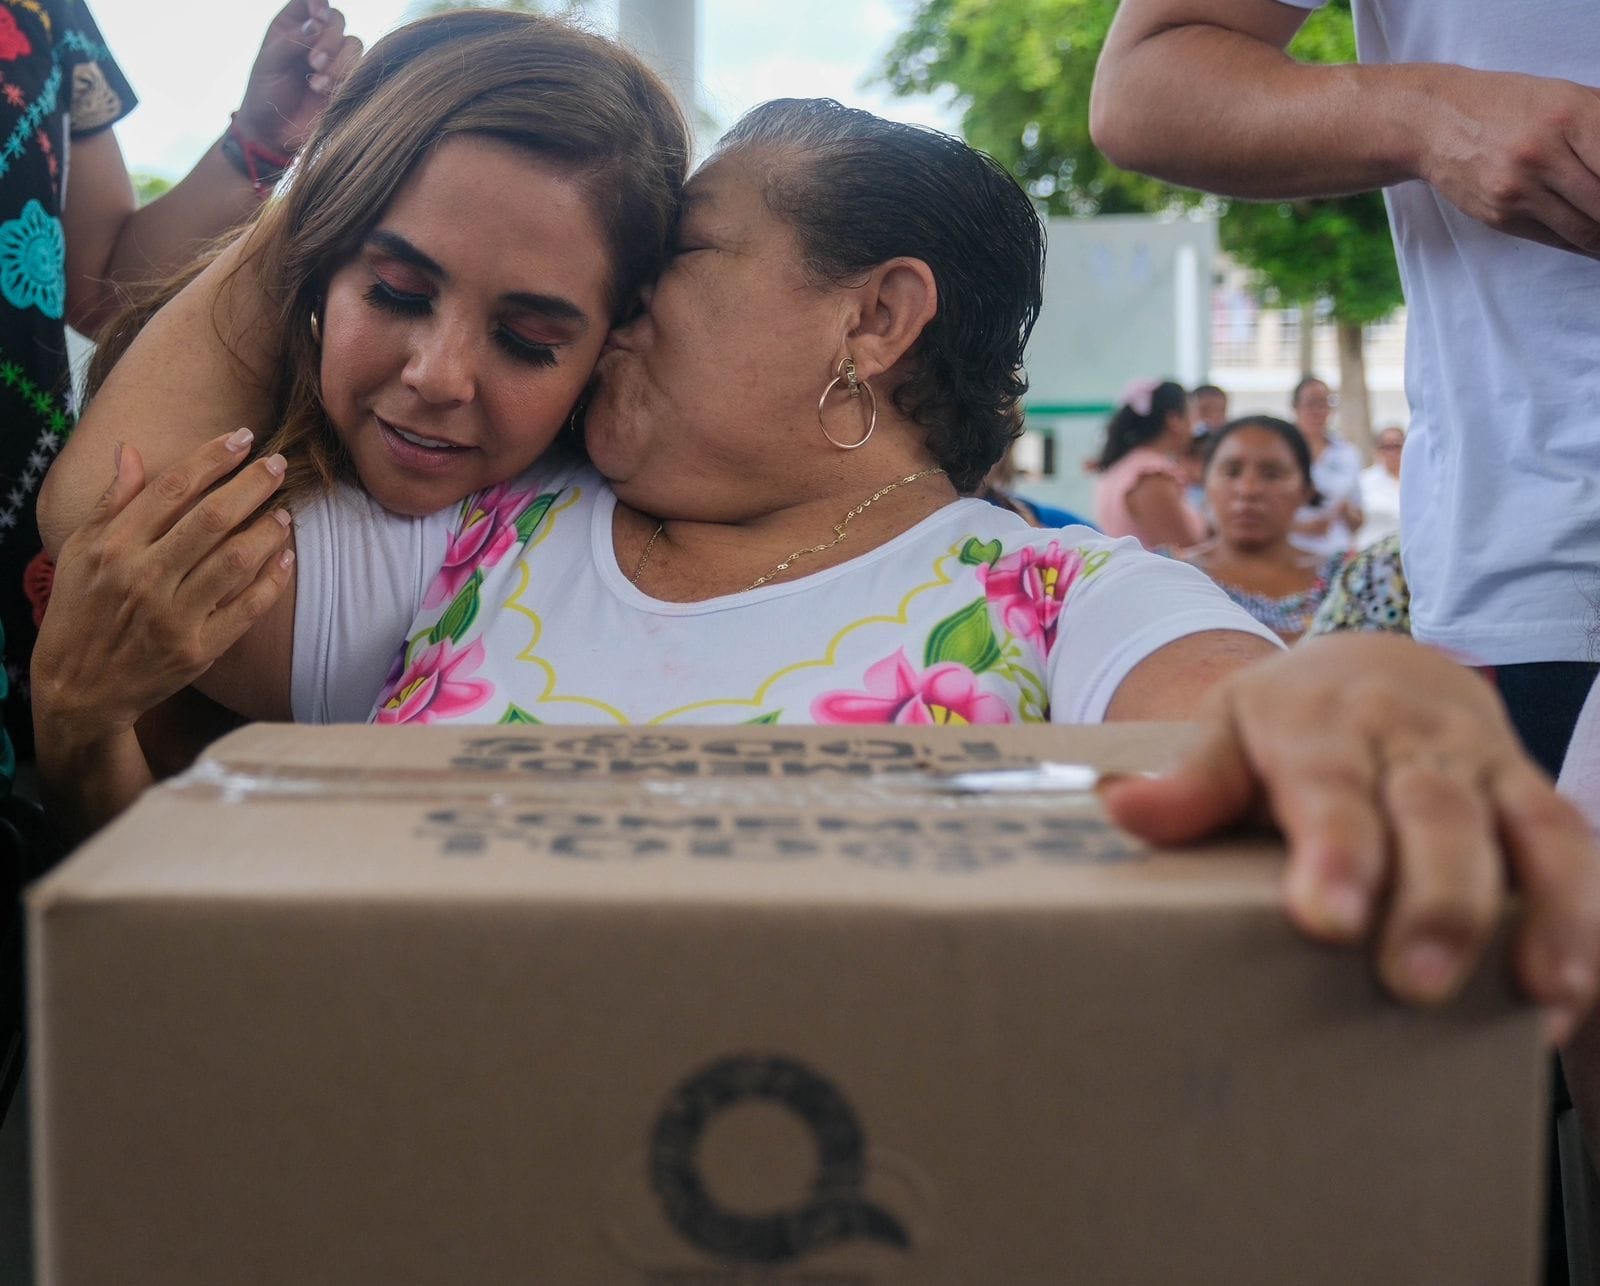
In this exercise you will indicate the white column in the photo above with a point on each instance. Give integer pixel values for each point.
(1189, 363)
(665, 34)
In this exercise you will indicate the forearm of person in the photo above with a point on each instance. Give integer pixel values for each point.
(165, 236)
(202, 366)
(88, 772)
(1204, 105)
(113, 244)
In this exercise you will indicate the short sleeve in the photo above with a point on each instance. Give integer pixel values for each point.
(100, 95)
(1134, 605)
(361, 573)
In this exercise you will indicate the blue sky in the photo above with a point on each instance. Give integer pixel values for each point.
(188, 66)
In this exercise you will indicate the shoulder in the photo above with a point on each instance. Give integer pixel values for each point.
(1136, 467)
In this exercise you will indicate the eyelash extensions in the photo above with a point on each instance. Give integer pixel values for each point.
(387, 299)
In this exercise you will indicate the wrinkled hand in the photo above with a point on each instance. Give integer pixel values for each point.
(1408, 806)
(304, 57)
(1519, 153)
(158, 583)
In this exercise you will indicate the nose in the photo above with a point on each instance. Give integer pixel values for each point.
(441, 366)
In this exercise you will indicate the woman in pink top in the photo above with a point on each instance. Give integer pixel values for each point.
(1140, 491)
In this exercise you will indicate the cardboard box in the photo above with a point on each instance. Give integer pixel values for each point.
(540, 1005)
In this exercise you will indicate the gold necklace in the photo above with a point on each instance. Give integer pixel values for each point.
(839, 529)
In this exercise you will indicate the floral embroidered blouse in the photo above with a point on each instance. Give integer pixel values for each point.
(971, 616)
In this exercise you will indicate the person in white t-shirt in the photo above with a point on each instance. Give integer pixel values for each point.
(1380, 488)
(1327, 526)
(776, 526)
(1479, 119)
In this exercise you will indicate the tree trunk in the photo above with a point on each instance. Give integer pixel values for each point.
(1308, 340)
(1355, 405)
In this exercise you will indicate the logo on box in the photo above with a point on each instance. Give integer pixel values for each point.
(836, 1209)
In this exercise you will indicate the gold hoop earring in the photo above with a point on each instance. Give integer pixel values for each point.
(316, 329)
(855, 387)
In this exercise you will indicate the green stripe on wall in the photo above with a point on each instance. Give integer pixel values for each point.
(1068, 408)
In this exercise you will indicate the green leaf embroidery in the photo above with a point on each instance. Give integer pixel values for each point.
(463, 610)
(529, 519)
(516, 714)
(771, 716)
(967, 637)
(1095, 561)
(978, 554)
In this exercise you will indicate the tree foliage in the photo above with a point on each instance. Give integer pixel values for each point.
(1021, 72)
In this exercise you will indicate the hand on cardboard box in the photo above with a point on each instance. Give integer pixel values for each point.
(1410, 810)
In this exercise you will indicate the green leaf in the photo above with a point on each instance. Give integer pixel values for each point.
(529, 519)
(769, 717)
(967, 637)
(1021, 71)
(463, 610)
(516, 714)
(976, 553)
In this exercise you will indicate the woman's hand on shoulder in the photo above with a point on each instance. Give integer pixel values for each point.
(160, 581)
(1409, 808)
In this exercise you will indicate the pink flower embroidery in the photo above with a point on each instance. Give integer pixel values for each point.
(898, 693)
(490, 530)
(1026, 590)
(14, 42)
(436, 685)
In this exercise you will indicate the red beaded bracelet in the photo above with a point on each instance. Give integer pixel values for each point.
(257, 162)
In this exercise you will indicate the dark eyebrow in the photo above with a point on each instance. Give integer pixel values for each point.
(394, 244)
(552, 306)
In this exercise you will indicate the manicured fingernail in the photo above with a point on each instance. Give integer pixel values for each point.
(310, 27)
(1430, 967)
(320, 84)
(116, 460)
(239, 439)
(319, 60)
(286, 559)
(281, 516)
(276, 465)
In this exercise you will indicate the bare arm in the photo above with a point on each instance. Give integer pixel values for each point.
(202, 366)
(198, 370)
(111, 241)
(1161, 514)
(1201, 93)
(1173, 682)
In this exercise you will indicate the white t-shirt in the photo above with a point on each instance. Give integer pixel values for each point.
(1380, 505)
(1501, 483)
(971, 616)
(1336, 474)
(356, 590)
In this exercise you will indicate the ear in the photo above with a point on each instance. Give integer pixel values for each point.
(896, 303)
